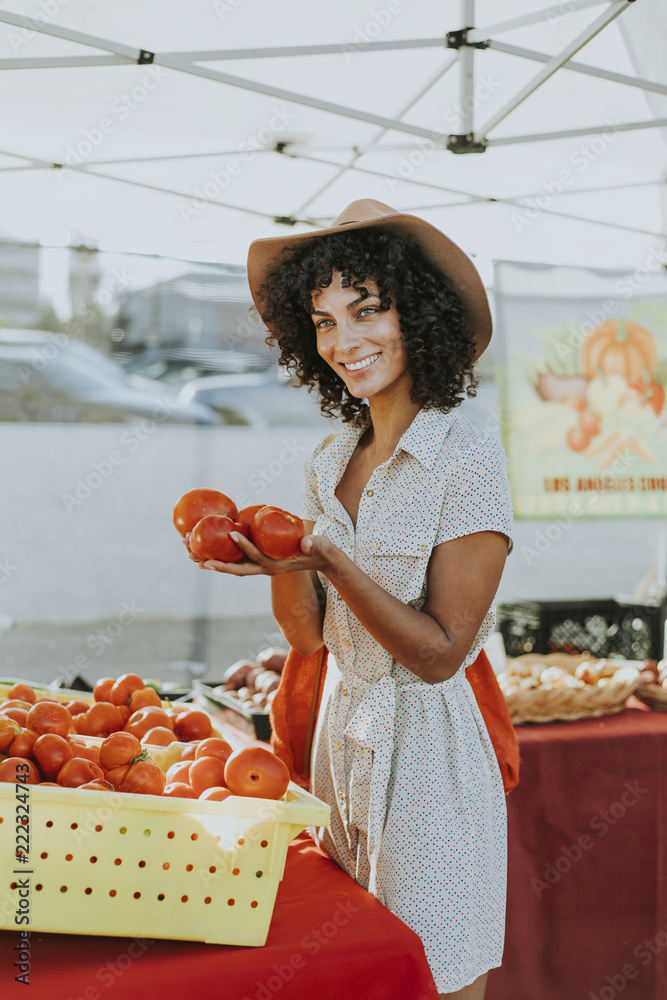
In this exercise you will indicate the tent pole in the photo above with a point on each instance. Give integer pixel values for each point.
(467, 73)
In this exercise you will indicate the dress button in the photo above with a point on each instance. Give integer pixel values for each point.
(422, 548)
(346, 643)
(338, 744)
(370, 493)
(376, 544)
(345, 692)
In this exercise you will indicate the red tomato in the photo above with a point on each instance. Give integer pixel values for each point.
(102, 690)
(82, 749)
(101, 785)
(199, 503)
(22, 691)
(101, 719)
(76, 707)
(46, 697)
(51, 752)
(125, 712)
(123, 688)
(19, 770)
(143, 778)
(142, 698)
(257, 772)
(22, 744)
(158, 736)
(49, 717)
(216, 794)
(190, 752)
(180, 771)
(277, 533)
(16, 715)
(206, 772)
(8, 731)
(192, 725)
(15, 703)
(210, 538)
(246, 515)
(120, 748)
(179, 790)
(147, 718)
(214, 747)
(77, 771)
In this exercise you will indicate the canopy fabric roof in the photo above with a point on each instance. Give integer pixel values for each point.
(190, 128)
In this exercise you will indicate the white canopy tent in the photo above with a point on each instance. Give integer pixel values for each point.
(190, 128)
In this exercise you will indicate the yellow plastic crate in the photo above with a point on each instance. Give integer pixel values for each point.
(146, 866)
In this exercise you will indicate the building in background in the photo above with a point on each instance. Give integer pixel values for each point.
(19, 285)
(197, 310)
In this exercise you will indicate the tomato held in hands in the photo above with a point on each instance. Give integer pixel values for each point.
(197, 504)
(277, 533)
(246, 516)
(210, 538)
(256, 772)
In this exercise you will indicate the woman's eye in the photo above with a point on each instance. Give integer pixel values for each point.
(367, 309)
(319, 326)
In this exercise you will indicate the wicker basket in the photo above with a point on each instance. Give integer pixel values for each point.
(550, 704)
(653, 695)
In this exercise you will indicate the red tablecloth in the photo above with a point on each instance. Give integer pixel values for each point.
(587, 884)
(329, 940)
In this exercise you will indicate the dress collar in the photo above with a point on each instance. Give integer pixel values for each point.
(424, 437)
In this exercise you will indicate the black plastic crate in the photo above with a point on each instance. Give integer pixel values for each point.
(602, 627)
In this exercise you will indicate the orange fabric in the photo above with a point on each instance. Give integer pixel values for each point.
(297, 701)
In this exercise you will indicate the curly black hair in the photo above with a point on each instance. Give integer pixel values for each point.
(432, 318)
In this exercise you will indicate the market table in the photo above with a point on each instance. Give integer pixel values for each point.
(587, 882)
(329, 939)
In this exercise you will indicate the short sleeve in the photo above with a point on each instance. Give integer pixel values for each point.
(311, 506)
(478, 494)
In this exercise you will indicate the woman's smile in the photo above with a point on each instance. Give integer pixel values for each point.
(361, 341)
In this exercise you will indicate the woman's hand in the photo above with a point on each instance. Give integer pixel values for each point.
(317, 553)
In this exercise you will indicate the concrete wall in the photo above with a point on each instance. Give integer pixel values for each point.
(81, 537)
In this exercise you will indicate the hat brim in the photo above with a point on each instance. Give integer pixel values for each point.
(266, 254)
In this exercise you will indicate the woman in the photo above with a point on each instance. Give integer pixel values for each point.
(408, 519)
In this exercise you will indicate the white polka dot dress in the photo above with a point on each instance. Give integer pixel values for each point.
(417, 803)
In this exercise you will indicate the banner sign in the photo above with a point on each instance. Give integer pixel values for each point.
(582, 380)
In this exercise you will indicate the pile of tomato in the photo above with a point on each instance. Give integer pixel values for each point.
(40, 743)
(207, 517)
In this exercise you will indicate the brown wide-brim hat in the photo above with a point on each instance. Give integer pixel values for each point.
(265, 255)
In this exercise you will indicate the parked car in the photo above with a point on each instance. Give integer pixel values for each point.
(54, 378)
(262, 399)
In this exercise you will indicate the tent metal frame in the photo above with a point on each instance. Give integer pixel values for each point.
(459, 44)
